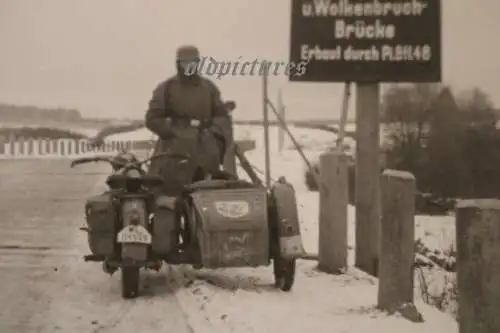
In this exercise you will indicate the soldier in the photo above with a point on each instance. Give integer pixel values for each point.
(188, 116)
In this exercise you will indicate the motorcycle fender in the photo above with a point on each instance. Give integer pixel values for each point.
(290, 239)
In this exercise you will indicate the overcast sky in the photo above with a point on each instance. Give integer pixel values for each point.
(105, 56)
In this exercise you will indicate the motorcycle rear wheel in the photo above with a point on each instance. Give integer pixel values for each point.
(130, 282)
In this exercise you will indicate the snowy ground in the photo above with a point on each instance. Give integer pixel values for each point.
(71, 296)
(318, 302)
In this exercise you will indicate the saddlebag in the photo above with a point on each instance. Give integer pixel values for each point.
(231, 227)
(101, 217)
(165, 225)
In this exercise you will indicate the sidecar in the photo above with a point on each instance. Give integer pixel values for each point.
(233, 223)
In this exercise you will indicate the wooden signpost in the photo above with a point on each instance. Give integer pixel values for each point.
(366, 42)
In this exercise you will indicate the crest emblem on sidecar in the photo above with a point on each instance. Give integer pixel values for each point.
(233, 209)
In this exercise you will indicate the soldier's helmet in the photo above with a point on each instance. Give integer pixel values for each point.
(188, 53)
(188, 58)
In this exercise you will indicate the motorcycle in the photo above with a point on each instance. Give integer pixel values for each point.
(216, 222)
(119, 229)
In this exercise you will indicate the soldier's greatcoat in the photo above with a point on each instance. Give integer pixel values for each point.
(174, 110)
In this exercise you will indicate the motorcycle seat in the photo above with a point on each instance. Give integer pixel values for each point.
(120, 181)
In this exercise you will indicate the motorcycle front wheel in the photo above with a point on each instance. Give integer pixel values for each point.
(130, 282)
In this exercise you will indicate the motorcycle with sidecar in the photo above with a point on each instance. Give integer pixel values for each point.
(217, 222)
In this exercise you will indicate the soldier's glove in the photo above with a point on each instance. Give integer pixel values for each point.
(168, 131)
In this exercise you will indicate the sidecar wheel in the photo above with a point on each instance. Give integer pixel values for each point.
(284, 273)
(130, 282)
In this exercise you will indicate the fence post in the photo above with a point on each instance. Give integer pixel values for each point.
(76, 147)
(478, 265)
(42, 146)
(48, 147)
(333, 197)
(3, 142)
(34, 147)
(12, 141)
(83, 146)
(54, 147)
(20, 146)
(397, 240)
(27, 147)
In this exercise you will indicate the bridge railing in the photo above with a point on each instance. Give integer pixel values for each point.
(33, 148)
(40, 148)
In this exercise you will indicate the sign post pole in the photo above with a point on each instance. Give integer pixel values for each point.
(367, 179)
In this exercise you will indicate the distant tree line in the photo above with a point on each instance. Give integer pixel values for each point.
(47, 133)
(450, 143)
(19, 113)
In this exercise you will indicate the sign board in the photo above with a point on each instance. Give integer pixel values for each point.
(366, 40)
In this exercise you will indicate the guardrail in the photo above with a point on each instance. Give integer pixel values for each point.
(40, 148)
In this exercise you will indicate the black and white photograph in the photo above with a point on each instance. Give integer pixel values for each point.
(249, 166)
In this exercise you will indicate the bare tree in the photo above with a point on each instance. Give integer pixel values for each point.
(407, 113)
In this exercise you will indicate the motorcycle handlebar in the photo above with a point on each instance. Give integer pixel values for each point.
(115, 162)
(84, 160)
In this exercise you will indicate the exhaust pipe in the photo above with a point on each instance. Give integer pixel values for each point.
(94, 257)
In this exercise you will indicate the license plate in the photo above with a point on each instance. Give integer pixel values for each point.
(134, 234)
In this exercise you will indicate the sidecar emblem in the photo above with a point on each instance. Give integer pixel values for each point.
(232, 209)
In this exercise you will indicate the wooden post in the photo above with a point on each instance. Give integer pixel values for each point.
(398, 237)
(20, 146)
(333, 200)
(478, 265)
(12, 142)
(3, 141)
(367, 185)
(265, 111)
(343, 115)
(281, 130)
